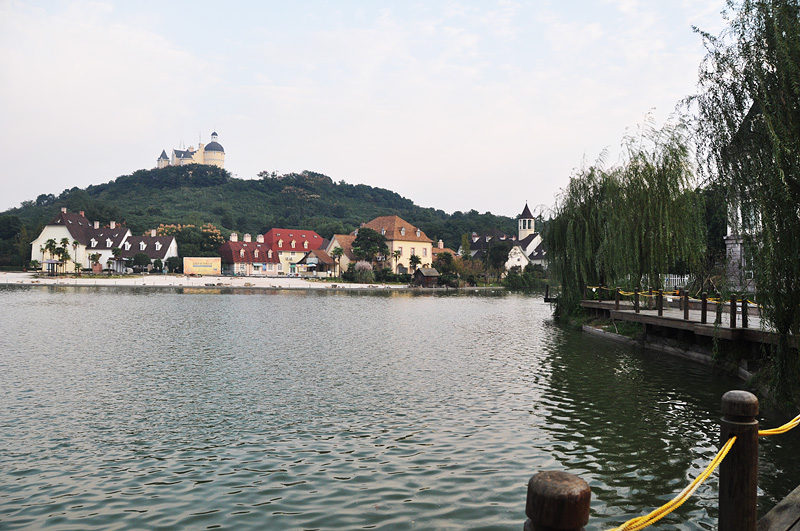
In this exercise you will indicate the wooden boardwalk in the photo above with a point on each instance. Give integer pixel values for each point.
(785, 516)
(673, 318)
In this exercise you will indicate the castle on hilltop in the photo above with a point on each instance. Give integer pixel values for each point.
(212, 154)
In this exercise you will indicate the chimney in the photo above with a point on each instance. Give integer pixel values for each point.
(153, 233)
(96, 224)
(112, 224)
(63, 210)
(441, 244)
(234, 237)
(247, 237)
(82, 213)
(260, 238)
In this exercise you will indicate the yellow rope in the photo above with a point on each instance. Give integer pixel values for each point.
(782, 429)
(640, 522)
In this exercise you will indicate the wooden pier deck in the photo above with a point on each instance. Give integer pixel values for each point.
(785, 516)
(673, 318)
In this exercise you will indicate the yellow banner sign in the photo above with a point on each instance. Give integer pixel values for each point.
(202, 266)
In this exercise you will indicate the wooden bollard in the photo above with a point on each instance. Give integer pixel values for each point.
(744, 312)
(718, 310)
(660, 302)
(704, 308)
(733, 311)
(685, 305)
(616, 299)
(600, 293)
(650, 298)
(557, 501)
(738, 472)
(636, 300)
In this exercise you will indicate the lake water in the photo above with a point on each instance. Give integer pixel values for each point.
(139, 409)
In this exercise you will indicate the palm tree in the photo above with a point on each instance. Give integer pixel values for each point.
(396, 254)
(336, 254)
(414, 261)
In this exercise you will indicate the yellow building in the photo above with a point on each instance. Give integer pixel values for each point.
(403, 237)
(212, 154)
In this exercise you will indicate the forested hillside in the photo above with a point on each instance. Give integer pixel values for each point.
(198, 194)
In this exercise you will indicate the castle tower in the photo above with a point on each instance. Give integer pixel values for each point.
(163, 160)
(525, 224)
(214, 153)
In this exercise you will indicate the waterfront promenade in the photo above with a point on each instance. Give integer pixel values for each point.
(169, 281)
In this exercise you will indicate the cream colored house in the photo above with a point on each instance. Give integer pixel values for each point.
(404, 237)
(85, 238)
(345, 242)
(212, 154)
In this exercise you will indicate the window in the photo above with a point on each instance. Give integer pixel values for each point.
(127, 246)
(424, 251)
(142, 246)
(280, 267)
(158, 246)
(241, 253)
(108, 242)
(402, 231)
(269, 253)
(413, 251)
(293, 244)
(418, 233)
(401, 250)
(256, 253)
(280, 243)
(93, 242)
(305, 245)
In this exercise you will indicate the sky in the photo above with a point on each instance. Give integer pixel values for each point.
(456, 105)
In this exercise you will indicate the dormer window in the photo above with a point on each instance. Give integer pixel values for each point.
(269, 253)
(305, 245)
(108, 242)
(241, 253)
(383, 232)
(127, 246)
(142, 246)
(402, 231)
(158, 246)
(280, 243)
(93, 242)
(417, 233)
(293, 244)
(255, 253)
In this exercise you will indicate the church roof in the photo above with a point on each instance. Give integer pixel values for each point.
(163, 155)
(214, 146)
(526, 213)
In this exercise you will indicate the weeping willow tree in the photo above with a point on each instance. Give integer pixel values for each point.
(631, 223)
(749, 141)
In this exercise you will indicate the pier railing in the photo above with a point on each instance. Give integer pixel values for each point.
(558, 501)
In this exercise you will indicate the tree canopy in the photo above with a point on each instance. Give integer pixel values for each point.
(748, 134)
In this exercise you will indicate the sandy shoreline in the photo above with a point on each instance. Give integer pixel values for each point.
(177, 281)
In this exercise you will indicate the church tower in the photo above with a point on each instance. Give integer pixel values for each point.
(525, 224)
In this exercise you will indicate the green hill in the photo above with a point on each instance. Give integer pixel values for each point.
(197, 194)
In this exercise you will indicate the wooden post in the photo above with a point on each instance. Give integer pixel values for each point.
(649, 298)
(660, 302)
(600, 293)
(685, 305)
(557, 501)
(616, 299)
(744, 311)
(738, 472)
(704, 308)
(733, 311)
(636, 300)
(718, 310)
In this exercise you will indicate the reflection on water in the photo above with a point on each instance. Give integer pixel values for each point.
(131, 409)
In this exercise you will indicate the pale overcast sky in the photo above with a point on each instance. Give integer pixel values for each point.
(456, 105)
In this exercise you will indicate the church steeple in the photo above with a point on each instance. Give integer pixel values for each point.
(526, 223)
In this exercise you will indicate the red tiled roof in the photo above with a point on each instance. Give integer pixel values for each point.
(285, 237)
(392, 227)
(245, 252)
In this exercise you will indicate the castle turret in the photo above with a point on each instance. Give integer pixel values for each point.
(214, 152)
(163, 160)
